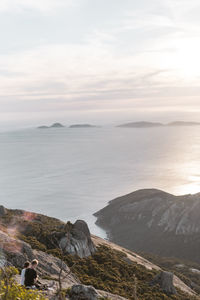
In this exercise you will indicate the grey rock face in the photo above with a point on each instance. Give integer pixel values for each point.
(3, 211)
(165, 280)
(83, 292)
(154, 221)
(78, 241)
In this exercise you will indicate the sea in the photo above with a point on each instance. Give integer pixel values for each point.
(70, 173)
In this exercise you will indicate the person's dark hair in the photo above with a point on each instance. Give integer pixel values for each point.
(34, 262)
(26, 264)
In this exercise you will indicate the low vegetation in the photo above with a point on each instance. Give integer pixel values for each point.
(107, 269)
(184, 269)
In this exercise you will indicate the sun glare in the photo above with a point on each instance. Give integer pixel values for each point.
(187, 58)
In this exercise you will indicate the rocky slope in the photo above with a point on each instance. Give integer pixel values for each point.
(153, 221)
(85, 259)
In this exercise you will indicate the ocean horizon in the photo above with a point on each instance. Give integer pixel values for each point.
(72, 173)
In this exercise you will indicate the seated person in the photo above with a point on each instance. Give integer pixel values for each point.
(31, 275)
(26, 266)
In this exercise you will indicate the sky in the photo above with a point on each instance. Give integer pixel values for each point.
(99, 61)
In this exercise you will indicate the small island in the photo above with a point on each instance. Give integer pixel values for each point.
(182, 123)
(54, 125)
(82, 126)
(146, 124)
(57, 125)
(141, 124)
(43, 127)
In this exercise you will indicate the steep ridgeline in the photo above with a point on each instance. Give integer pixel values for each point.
(156, 222)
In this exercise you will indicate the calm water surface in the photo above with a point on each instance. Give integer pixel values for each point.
(72, 173)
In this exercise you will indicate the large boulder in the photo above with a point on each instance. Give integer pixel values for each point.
(83, 292)
(78, 241)
(3, 211)
(165, 281)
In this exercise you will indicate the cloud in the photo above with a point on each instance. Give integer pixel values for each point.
(44, 6)
(102, 57)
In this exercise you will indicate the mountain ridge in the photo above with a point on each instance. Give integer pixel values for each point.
(25, 235)
(171, 222)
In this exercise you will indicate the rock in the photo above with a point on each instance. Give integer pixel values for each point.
(83, 292)
(3, 211)
(165, 280)
(78, 241)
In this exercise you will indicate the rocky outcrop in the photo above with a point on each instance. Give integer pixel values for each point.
(3, 211)
(165, 281)
(78, 241)
(74, 239)
(156, 222)
(84, 292)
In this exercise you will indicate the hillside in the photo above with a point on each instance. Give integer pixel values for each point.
(113, 271)
(156, 222)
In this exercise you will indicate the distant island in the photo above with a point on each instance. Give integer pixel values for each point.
(141, 124)
(145, 124)
(54, 125)
(43, 127)
(182, 123)
(83, 126)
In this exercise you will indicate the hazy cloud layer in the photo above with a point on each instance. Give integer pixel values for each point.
(103, 60)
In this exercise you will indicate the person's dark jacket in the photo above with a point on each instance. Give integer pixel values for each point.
(30, 276)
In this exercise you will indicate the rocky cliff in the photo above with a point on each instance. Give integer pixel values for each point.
(156, 222)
